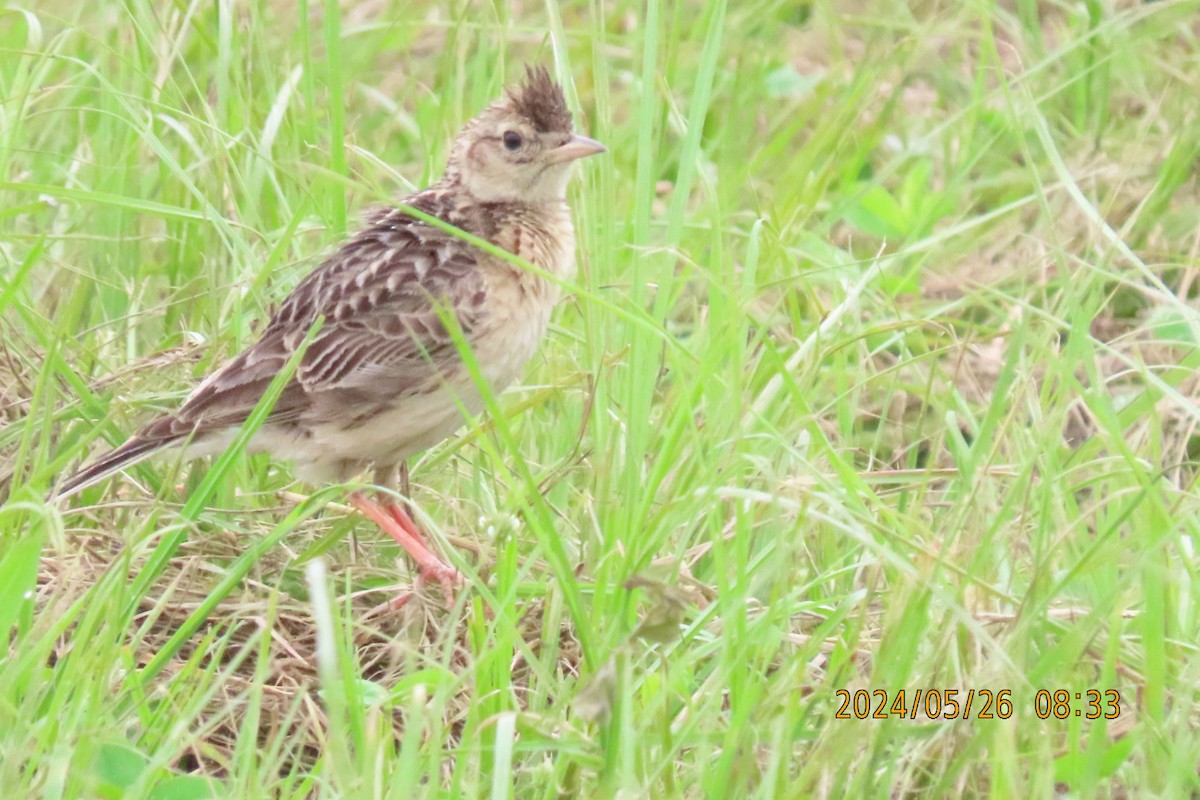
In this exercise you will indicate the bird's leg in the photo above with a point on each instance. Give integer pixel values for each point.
(396, 523)
(400, 511)
(404, 488)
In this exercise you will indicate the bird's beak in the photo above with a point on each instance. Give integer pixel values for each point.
(575, 148)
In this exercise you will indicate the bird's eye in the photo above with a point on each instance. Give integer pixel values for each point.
(513, 140)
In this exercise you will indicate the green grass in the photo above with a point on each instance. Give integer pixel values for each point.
(880, 375)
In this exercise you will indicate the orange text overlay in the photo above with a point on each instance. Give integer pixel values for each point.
(975, 704)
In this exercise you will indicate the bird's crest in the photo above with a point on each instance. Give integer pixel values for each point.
(540, 100)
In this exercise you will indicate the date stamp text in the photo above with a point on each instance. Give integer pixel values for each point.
(974, 704)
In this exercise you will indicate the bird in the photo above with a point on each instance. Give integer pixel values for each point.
(383, 378)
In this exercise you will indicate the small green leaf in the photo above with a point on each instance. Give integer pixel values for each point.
(1071, 767)
(18, 576)
(370, 694)
(877, 213)
(1174, 325)
(188, 787)
(373, 695)
(119, 767)
(901, 280)
(787, 81)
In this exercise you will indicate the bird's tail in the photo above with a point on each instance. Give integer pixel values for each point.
(136, 449)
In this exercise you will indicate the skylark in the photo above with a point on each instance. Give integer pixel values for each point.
(383, 378)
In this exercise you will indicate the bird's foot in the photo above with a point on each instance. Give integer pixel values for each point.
(395, 522)
(446, 576)
(432, 568)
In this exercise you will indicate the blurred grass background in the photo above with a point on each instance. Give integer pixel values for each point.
(881, 376)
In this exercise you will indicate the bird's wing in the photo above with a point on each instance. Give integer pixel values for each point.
(384, 296)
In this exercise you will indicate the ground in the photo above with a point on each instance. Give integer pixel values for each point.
(878, 378)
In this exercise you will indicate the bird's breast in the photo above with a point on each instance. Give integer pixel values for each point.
(519, 300)
(544, 237)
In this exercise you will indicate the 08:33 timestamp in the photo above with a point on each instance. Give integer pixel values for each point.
(987, 704)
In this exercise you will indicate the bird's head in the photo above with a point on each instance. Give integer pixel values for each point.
(521, 147)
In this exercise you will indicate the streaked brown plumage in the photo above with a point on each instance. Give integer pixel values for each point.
(383, 379)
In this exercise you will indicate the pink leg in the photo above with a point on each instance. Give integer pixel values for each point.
(395, 522)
